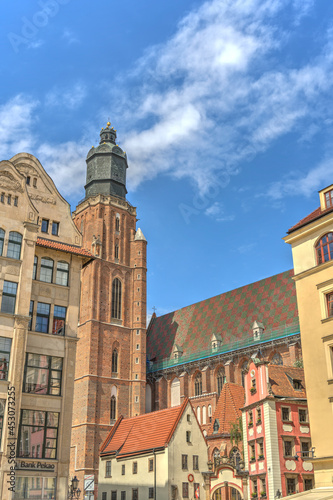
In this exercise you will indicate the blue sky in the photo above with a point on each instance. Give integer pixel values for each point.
(224, 109)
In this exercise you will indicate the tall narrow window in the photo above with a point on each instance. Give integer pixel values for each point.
(5, 345)
(116, 251)
(34, 271)
(329, 199)
(59, 319)
(220, 381)
(31, 313)
(2, 239)
(14, 245)
(117, 223)
(113, 408)
(9, 297)
(45, 226)
(55, 228)
(46, 270)
(198, 385)
(62, 273)
(42, 317)
(324, 248)
(115, 361)
(116, 299)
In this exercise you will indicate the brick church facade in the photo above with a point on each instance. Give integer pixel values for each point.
(191, 353)
(110, 376)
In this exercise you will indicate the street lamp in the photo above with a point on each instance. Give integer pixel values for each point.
(73, 490)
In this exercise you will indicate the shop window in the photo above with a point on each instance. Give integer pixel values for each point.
(59, 319)
(42, 374)
(42, 317)
(8, 297)
(14, 245)
(62, 273)
(46, 270)
(38, 428)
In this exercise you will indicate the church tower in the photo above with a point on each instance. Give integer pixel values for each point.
(110, 374)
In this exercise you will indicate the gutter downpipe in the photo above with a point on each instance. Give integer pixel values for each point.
(154, 473)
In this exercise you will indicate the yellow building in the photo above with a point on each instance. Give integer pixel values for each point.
(40, 265)
(160, 455)
(312, 248)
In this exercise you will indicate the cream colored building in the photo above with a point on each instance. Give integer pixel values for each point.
(312, 248)
(160, 455)
(40, 265)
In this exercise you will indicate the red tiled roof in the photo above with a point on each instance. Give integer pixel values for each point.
(132, 436)
(316, 214)
(271, 301)
(63, 247)
(228, 408)
(281, 377)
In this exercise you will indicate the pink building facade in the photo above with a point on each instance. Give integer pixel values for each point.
(276, 431)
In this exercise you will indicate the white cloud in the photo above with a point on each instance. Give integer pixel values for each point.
(194, 106)
(303, 184)
(69, 37)
(16, 122)
(67, 97)
(216, 211)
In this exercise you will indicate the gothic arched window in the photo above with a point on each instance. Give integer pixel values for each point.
(115, 361)
(116, 299)
(113, 404)
(324, 248)
(198, 385)
(116, 251)
(117, 223)
(220, 380)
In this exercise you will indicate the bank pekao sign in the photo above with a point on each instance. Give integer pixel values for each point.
(40, 466)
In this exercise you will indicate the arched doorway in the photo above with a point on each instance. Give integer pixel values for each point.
(227, 492)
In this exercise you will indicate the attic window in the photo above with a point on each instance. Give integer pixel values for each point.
(329, 199)
(297, 384)
(28, 180)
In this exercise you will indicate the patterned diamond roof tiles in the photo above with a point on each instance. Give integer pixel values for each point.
(272, 301)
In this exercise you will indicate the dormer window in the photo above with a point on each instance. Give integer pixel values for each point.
(297, 384)
(324, 248)
(329, 199)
